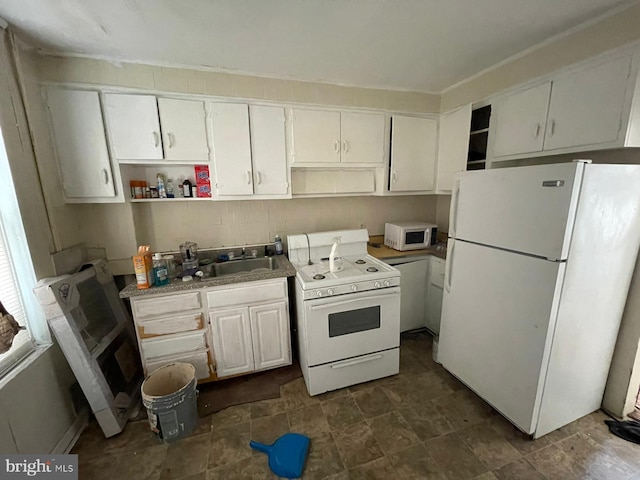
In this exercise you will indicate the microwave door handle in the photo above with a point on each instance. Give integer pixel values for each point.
(344, 302)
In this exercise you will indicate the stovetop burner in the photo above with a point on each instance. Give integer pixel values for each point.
(360, 261)
(372, 269)
(319, 276)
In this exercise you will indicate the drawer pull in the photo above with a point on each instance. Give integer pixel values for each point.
(356, 361)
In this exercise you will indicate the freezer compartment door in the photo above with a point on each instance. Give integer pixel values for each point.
(498, 310)
(524, 209)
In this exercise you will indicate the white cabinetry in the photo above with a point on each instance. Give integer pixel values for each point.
(579, 110)
(143, 128)
(414, 277)
(249, 149)
(434, 294)
(171, 328)
(413, 153)
(453, 146)
(331, 137)
(249, 326)
(81, 147)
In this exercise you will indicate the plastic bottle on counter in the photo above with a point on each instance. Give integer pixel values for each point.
(160, 270)
(278, 245)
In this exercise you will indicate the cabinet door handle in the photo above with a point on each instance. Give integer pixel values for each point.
(171, 139)
(345, 146)
(336, 146)
(537, 131)
(156, 139)
(552, 130)
(248, 177)
(258, 178)
(106, 176)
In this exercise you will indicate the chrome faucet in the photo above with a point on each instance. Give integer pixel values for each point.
(243, 252)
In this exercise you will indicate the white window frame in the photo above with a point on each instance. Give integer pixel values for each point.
(12, 229)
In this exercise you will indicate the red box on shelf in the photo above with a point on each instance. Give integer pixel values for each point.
(203, 190)
(202, 175)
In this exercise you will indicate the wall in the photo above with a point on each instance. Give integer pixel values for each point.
(617, 30)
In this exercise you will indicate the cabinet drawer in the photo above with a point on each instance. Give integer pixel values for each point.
(199, 359)
(181, 343)
(164, 304)
(436, 277)
(252, 292)
(169, 325)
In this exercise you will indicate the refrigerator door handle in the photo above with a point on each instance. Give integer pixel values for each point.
(454, 208)
(447, 273)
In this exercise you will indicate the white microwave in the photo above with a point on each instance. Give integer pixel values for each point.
(410, 235)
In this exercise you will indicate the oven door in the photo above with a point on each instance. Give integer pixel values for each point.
(352, 324)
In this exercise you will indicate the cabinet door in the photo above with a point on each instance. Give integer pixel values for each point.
(413, 153)
(183, 129)
(316, 136)
(81, 147)
(362, 137)
(134, 127)
(453, 146)
(270, 335)
(231, 335)
(586, 107)
(268, 150)
(518, 121)
(231, 148)
(434, 308)
(413, 283)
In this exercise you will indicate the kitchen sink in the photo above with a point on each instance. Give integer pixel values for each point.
(237, 267)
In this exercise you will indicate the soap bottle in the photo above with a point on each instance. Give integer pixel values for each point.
(160, 270)
(335, 260)
(278, 245)
(186, 188)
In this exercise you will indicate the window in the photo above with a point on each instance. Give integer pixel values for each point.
(17, 276)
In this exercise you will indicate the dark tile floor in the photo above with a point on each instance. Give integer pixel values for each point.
(420, 424)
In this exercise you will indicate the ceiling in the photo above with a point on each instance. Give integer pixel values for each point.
(417, 45)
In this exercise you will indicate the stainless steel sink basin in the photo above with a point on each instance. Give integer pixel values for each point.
(237, 267)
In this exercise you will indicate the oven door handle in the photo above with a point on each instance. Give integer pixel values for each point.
(357, 361)
(344, 302)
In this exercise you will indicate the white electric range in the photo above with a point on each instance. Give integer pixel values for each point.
(348, 321)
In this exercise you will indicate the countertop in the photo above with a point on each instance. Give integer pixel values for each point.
(383, 252)
(285, 269)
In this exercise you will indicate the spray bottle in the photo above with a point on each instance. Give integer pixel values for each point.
(335, 260)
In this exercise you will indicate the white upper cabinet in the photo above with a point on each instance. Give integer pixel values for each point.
(268, 150)
(586, 107)
(249, 149)
(413, 154)
(80, 145)
(520, 120)
(578, 110)
(139, 129)
(329, 137)
(184, 133)
(453, 146)
(231, 148)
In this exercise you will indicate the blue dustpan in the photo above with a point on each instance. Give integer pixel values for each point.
(286, 455)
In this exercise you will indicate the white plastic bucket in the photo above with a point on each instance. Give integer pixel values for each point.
(169, 394)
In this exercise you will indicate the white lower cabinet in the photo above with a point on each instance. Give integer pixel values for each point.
(253, 334)
(434, 294)
(171, 328)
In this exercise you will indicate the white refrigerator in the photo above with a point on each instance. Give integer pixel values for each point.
(538, 268)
